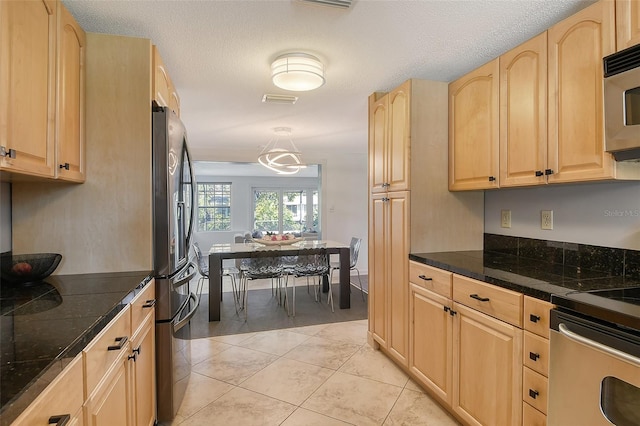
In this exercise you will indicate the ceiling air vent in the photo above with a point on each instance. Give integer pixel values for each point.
(279, 99)
(344, 4)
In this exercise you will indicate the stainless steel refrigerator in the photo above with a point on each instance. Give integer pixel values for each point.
(174, 212)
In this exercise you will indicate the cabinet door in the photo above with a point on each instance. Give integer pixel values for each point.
(627, 23)
(377, 269)
(144, 369)
(399, 138)
(487, 369)
(378, 135)
(161, 81)
(110, 403)
(70, 98)
(576, 118)
(473, 129)
(27, 85)
(63, 397)
(397, 238)
(523, 113)
(430, 325)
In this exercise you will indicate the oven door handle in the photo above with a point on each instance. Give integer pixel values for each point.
(184, 321)
(564, 330)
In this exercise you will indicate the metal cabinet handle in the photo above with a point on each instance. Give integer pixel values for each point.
(548, 171)
(149, 303)
(534, 356)
(446, 308)
(4, 152)
(121, 342)
(482, 299)
(452, 312)
(564, 330)
(539, 173)
(133, 357)
(423, 277)
(492, 178)
(60, 419)
(136, 350)
(533, 393)
(65, 166)
(534, 318)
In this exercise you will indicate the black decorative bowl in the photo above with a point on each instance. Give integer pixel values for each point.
(28, 268)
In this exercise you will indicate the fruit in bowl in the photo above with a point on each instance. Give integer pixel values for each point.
(27, 268)
(279, 237)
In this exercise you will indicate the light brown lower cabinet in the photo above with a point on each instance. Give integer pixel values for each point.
(469, 360)
(487, 369)
(431, 340)
(532, 417)
(112, 381)
(61, 399)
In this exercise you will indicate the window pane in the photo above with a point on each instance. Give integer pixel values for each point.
(266, 211)
(214, 206)
(293, 219)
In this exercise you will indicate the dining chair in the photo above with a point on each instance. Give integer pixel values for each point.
(354, 249)
(203, 268)
(314, 263)
(261, 265)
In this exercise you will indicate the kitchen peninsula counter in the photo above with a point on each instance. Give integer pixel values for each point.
(44, 326)
(531, 277)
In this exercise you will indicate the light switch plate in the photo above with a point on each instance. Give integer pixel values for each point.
(505, 218)
(546, 219)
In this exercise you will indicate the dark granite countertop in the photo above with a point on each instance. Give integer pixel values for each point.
(43, 326)
(535, 278)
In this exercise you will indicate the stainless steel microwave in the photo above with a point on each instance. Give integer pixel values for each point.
(622, 103)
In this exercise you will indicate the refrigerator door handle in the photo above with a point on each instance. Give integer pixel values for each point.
(184, 321)
(181, 279)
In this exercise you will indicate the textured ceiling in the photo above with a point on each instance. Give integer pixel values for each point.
(219, 53)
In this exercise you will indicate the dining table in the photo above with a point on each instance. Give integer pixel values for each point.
(220, 252)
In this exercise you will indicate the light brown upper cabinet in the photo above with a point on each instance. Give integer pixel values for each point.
(473, 129)
(164, 93)
(27, 87)
(627, 23)
(523, 113)
(42, 98)
(576, 119)
(389, 130)
(70, 144)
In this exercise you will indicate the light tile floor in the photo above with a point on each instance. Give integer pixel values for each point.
(318, 375)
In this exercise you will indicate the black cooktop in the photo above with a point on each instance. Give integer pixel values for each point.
(619, 306)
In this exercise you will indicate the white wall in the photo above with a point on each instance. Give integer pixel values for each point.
(604, 214)
(5, 217)
(343, 196)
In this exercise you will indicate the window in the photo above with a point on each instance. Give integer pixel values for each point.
(285, 210)
(214, 206)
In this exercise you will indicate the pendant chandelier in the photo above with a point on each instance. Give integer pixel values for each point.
(281, 155)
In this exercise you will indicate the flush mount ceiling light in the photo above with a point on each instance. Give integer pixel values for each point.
(281, 155)
(297, 72)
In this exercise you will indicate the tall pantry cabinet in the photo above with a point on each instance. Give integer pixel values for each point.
(410, 207)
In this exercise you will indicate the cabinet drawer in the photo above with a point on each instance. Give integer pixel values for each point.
(500, 303)
(536, 353)
(98, 358)
(62, 397)
(142, 305)
(532, 417)
(431, 278)
(536, 316)
(534, 389)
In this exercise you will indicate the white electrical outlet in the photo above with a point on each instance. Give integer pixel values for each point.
(505, 218)
(546, 219)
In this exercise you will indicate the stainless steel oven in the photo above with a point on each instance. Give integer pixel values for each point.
(594, 364)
